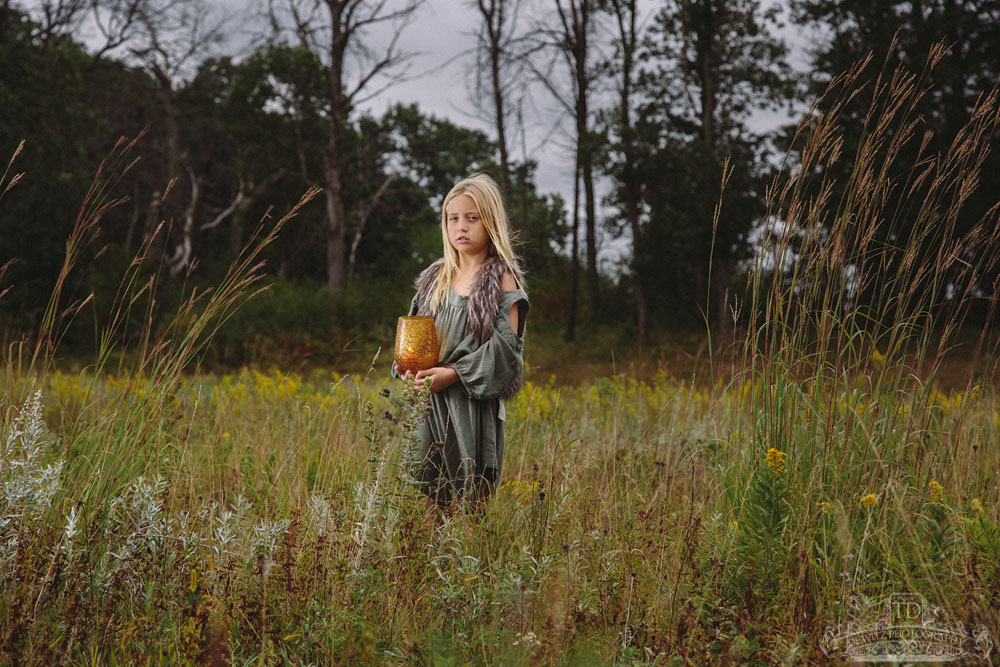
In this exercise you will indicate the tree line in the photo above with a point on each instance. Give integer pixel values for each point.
(657, 99)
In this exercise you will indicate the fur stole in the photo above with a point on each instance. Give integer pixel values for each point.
(483, 306)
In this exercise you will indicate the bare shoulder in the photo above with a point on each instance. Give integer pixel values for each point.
(507, 283)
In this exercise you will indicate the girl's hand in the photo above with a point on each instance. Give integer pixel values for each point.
(442, 376)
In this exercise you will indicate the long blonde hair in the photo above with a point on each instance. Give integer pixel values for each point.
(486, 194)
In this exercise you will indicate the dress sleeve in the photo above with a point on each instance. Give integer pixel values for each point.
(411, 312)
(487, 371)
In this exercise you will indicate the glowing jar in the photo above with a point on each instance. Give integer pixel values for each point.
(416, 343)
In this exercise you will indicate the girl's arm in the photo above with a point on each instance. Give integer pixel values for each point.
(507, 283)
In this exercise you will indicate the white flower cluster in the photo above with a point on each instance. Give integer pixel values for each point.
(26, 486)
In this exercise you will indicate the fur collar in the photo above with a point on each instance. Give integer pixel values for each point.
(484, 300)
(483, 306)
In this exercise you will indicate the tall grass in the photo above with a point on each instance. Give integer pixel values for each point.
(152, 514)
(878, 468)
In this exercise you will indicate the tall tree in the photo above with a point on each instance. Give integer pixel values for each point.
(572, 39)
(41, 92)
(626, 169)
(709, 66)
(335, 31)
(499, 70)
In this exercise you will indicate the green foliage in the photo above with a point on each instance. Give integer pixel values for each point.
(984, 535)
(705, 68)
(297, 325)
(759, 546)
(436, 152)
(42, 91)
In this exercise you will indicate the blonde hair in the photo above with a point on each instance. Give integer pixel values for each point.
(486, 195)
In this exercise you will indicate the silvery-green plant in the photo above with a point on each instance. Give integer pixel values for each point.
(138, 529)
(319, 512)
(267, 537)
(27, 485)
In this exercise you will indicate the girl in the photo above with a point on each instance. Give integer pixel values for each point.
(476, 295)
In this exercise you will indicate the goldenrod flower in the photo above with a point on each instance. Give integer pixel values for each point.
(775, 460)
(977, 507)
(522, 491)
(824, 507)
(937, 491)
(870, 500)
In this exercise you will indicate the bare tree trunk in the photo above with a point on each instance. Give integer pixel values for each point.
(165, 93)
(183, 250)
(334, 162)
(524, 166)
(625, 12)
(574, 259)
(498, 58)
(593, 296)
(134, 220)
(363, 214)
(582, 12)
(335, 236)
(708, 92)
(493, 11)
(576, 18)
(333, 29)
(721, 273)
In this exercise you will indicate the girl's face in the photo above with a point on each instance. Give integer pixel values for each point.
(466, 232)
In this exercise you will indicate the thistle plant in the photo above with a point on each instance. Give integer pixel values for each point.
(414, 406)
(379, 496)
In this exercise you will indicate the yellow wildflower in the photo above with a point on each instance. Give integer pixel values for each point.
(824, 507)
(775, 460)
(937, 491)
(977, 507)
(938, 399)
(522, 491)
(870, 500)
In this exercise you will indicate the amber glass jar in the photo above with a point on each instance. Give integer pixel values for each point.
(416, 343)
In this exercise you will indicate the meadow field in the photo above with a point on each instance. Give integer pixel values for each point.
(737, 510)
(265, 518)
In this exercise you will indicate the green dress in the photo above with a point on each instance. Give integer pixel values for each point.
(462, 436)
